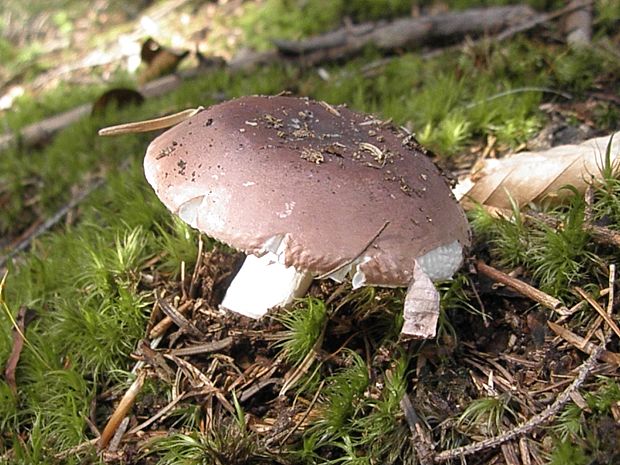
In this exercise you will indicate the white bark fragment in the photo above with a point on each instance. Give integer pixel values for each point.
(263, 283)
(421, 310)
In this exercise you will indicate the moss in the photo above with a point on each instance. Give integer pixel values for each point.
(84, 278)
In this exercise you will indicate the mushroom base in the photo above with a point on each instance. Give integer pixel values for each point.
(263, 283)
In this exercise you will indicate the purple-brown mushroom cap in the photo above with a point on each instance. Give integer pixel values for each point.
(320, 182)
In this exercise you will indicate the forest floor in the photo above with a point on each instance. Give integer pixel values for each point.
(113, 346)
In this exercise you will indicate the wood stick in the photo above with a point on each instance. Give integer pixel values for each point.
(160, 328)
(121, 411)
(522, 288)
(583, 344)
(420, 436)
(596, 306)
(53, 221)
(403, 33)
(397, 34)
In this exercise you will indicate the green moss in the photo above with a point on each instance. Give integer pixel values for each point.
(304, 326)
(84, 279)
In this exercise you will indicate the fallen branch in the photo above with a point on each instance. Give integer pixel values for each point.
(41, 132)
(403, 33)
(397, 34)
(534, 422)
(541, 19)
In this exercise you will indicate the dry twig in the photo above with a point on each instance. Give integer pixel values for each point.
(522, 288)
(121, 411)
(534, 422)
(18, 344)
(583, 344)
(53, 221)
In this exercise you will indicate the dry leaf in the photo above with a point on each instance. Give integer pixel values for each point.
(160, 60)
(536, 176)
(118, 97)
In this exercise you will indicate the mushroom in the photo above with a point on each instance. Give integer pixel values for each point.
(307, 191)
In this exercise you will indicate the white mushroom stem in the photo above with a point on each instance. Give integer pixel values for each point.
(263, 283)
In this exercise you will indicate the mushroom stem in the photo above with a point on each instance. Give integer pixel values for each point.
(263, 283)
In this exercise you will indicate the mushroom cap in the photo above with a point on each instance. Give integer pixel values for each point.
(314, 182)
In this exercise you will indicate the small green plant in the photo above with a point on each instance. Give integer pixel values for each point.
(558, 255)
(488, 416)
(342, 396)
(304, 326)
(570, 422)
(607, 191)
(567, 453)
(382, 431)
(228, 442)
(511, 239)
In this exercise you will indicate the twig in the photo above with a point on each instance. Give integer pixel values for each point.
(53, 221)
(214, 346)
(541, 19)
(192, 284)
(306, 413)
(534, 422)
(603, 235)
(583, 344)
(596, 306)
(121, 411)
(514, 30)
(158, 415)
(199, 380)
(118, 435)
(420, 437)
(75, 449)
(178, 319)
(522, 288)
(160, 328)
(257, 386)
(517, 91)
(611, 295)
(16, 350)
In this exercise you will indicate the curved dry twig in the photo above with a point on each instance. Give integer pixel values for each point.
(534, 422)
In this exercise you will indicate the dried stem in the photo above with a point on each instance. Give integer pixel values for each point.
(522, 288)
(121, 411)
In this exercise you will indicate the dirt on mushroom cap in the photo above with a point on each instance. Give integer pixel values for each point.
(324, 179)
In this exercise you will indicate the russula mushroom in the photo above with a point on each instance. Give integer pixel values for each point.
(308, 190)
